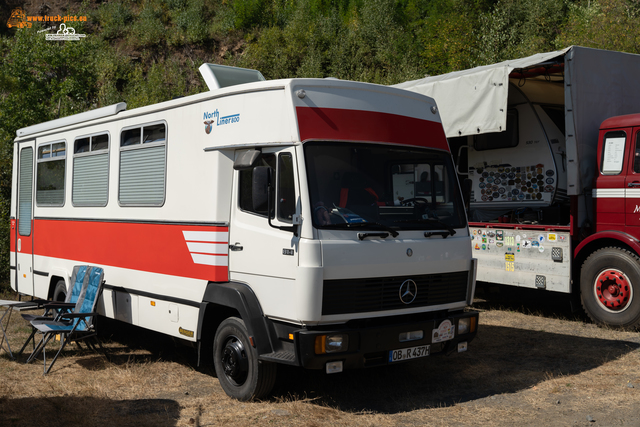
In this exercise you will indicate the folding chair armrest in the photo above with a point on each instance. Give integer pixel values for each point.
(69, 316)
(59, 305)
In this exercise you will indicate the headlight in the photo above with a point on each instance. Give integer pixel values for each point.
(332, 343)
(463, 325)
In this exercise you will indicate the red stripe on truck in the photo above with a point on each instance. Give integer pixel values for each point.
(357, 125)
(155, 248)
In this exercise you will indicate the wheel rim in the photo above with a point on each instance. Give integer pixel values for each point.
(613, 290)
(234, 361)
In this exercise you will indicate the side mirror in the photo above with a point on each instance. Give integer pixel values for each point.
(260, 188)
(466, 192)
(247, 159)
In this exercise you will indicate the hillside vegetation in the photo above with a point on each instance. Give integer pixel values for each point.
(143, 52)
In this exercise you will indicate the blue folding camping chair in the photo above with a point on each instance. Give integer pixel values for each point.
(50, 312)
(74, 325)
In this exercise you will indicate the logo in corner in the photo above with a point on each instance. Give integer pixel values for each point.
(408, 291)
(65, 33)
(18, 19)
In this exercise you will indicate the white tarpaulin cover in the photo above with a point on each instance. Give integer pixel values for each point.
(475, 100)
(598, 84)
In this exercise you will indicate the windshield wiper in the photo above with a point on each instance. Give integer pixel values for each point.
(373, 225)
(444, 233)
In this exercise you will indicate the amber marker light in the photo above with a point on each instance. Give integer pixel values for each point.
(321, 341)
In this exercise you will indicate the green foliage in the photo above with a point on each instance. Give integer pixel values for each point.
(367, 44)
(114, 19)
(249, 13)
(158, 84)
(605, 24)
(149, 27)
(447, 43)
(517, 28)
(190, 23)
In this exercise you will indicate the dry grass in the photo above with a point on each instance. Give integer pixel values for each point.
(521, 370)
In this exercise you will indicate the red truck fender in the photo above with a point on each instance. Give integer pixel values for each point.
(624, 238)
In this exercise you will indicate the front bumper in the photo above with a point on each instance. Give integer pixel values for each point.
(371, 345)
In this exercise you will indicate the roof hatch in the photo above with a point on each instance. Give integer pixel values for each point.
(219, 76)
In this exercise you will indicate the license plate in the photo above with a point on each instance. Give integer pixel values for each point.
(408, 353)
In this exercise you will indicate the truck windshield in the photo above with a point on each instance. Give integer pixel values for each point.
(382, 187)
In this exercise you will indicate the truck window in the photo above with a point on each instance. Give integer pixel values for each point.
(50, 174)
(505, 139)
(25, 191)
(90, 181)
(246, 179)
(286, 188)
(556, 114)
(143, 165)
(613, 152)
(404, 188)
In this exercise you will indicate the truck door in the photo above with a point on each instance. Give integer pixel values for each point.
(24, 238)
(632, 187)
(264, 255)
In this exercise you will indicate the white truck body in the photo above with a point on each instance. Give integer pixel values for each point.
(151, 195)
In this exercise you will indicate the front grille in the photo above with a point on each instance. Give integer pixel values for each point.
(382, 293)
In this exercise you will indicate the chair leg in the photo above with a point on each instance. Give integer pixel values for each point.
(31, 338)
(63, 343)
(39, 347)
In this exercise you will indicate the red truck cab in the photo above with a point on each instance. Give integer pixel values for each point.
(609, 274)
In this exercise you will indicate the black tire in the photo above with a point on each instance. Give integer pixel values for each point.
(242, 376)
(610, 288)
(60, 291)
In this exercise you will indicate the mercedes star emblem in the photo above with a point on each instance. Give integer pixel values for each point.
(408, 291)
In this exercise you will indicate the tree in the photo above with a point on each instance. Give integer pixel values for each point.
(603, 24)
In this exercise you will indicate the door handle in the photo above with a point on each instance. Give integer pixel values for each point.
(633, 184)
(236, 247)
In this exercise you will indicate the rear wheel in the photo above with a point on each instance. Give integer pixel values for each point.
(242, 376)
(610, 287)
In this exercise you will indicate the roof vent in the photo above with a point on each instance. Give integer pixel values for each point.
(219, 76)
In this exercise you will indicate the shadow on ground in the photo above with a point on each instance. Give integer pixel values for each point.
(500, 360)
(88, 411)
(554, 305)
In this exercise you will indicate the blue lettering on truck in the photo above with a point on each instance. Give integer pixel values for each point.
(210, 118)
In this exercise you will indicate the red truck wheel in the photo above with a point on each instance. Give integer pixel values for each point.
(610, 287)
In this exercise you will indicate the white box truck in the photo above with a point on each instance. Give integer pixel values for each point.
(309, 222)
(553, 171)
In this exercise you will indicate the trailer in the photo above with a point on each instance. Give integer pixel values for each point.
(310, 222)
(538, 139)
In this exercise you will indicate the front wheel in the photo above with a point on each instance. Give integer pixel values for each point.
(242, 376)
(60, 291)
(610, 287)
